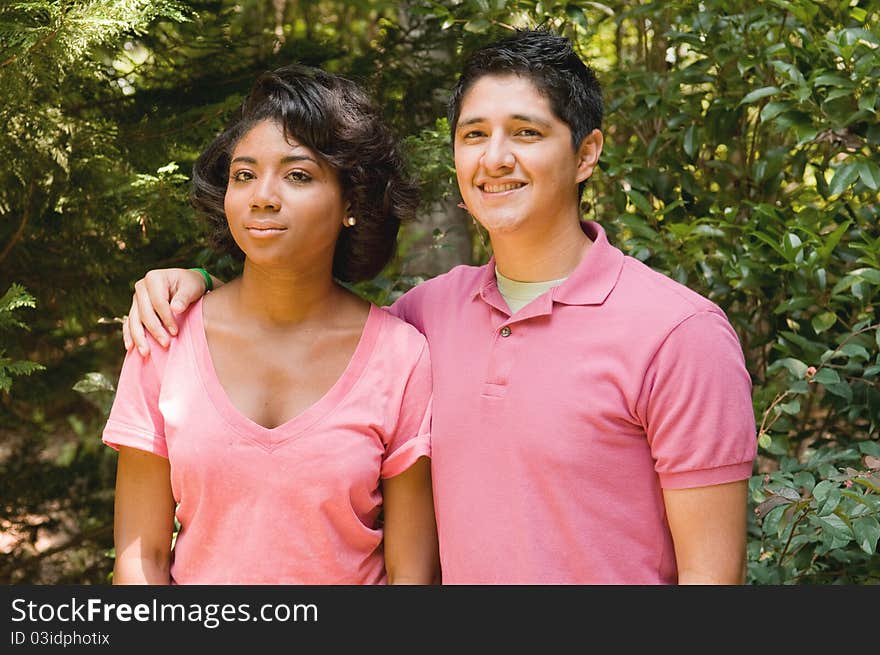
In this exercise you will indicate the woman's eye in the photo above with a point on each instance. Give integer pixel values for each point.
(299, 176)
(242, 176)
(528, 132)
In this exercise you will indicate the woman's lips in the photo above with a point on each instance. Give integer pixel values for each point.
(265, 229)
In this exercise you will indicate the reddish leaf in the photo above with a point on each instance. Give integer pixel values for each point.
(773, 501)
(872, 462)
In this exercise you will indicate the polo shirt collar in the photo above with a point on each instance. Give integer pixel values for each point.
(589, 284)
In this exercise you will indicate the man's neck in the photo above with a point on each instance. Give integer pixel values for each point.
(540, 257)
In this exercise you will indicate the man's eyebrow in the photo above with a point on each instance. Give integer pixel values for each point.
(524, 118)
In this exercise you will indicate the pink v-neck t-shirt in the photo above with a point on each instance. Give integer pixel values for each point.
(294, 504)
(556, 429)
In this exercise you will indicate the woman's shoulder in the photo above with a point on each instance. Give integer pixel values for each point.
(188, 322)
(190, 318)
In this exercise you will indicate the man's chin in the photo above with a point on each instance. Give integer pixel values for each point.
(500, 225)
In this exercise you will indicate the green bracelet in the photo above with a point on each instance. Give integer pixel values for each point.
(209, 283)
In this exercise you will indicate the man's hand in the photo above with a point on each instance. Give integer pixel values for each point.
(158, 296)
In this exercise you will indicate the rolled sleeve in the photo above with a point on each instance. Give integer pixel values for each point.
(411, 436)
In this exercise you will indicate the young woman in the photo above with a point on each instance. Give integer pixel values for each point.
(288, 428)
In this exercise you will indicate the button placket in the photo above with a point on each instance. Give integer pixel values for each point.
(501, 359)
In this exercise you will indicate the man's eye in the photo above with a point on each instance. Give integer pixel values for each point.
(528, 132)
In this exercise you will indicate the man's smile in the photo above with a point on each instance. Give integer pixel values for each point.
(500, 187)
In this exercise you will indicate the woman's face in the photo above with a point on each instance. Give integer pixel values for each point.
(283, 203)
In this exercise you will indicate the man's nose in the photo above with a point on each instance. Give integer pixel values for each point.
(498, 154)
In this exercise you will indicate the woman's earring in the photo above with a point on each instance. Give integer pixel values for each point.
(349, 222)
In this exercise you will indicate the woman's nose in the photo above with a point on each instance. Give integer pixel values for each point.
(265, 195)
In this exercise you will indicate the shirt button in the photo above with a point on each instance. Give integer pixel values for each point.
(505, 331)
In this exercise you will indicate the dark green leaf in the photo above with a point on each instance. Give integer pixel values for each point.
(844, 176)
(792, 407)
(830, 79)
(757, 94)
(641, 202)
(866, 531)
(869, 172)
(827, 376)
(833, 239)
(823, 321)
(772, 109)
(871, 275)
(855, 351)
(841, 389)
(794, 366)
(477, 26)
(690, 141)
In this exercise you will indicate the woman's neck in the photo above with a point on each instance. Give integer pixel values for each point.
(282, 298)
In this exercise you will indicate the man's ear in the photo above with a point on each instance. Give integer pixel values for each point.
(588, 154)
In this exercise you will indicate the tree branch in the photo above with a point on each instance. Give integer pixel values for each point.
(25, 216)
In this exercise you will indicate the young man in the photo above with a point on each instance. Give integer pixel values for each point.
(592, 418)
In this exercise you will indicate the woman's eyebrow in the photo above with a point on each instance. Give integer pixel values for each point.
(284, 160)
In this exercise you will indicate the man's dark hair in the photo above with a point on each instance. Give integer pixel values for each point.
(334, 117)
(551, 64)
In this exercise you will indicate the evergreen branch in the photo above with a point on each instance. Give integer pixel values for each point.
(14, 298)
(43, 41)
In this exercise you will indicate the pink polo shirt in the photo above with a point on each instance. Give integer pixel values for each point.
(556, 429)
(294, 504)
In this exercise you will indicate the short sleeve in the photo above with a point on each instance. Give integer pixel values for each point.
(410, 438)
(696, 405)
(135, 419)
(408, 307)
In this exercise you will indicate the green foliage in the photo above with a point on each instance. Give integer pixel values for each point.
(15, 298)
(819, 518)
(741, 158)
(429, 154)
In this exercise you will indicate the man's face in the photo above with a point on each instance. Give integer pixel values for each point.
(514, 160)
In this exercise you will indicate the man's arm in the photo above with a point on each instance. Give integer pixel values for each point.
(708, 526)
(159, 295)
(143, 518)
(701, 426)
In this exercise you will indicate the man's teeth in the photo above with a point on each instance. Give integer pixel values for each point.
(498, 188)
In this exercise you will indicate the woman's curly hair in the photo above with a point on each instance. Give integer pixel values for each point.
(335, 118)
